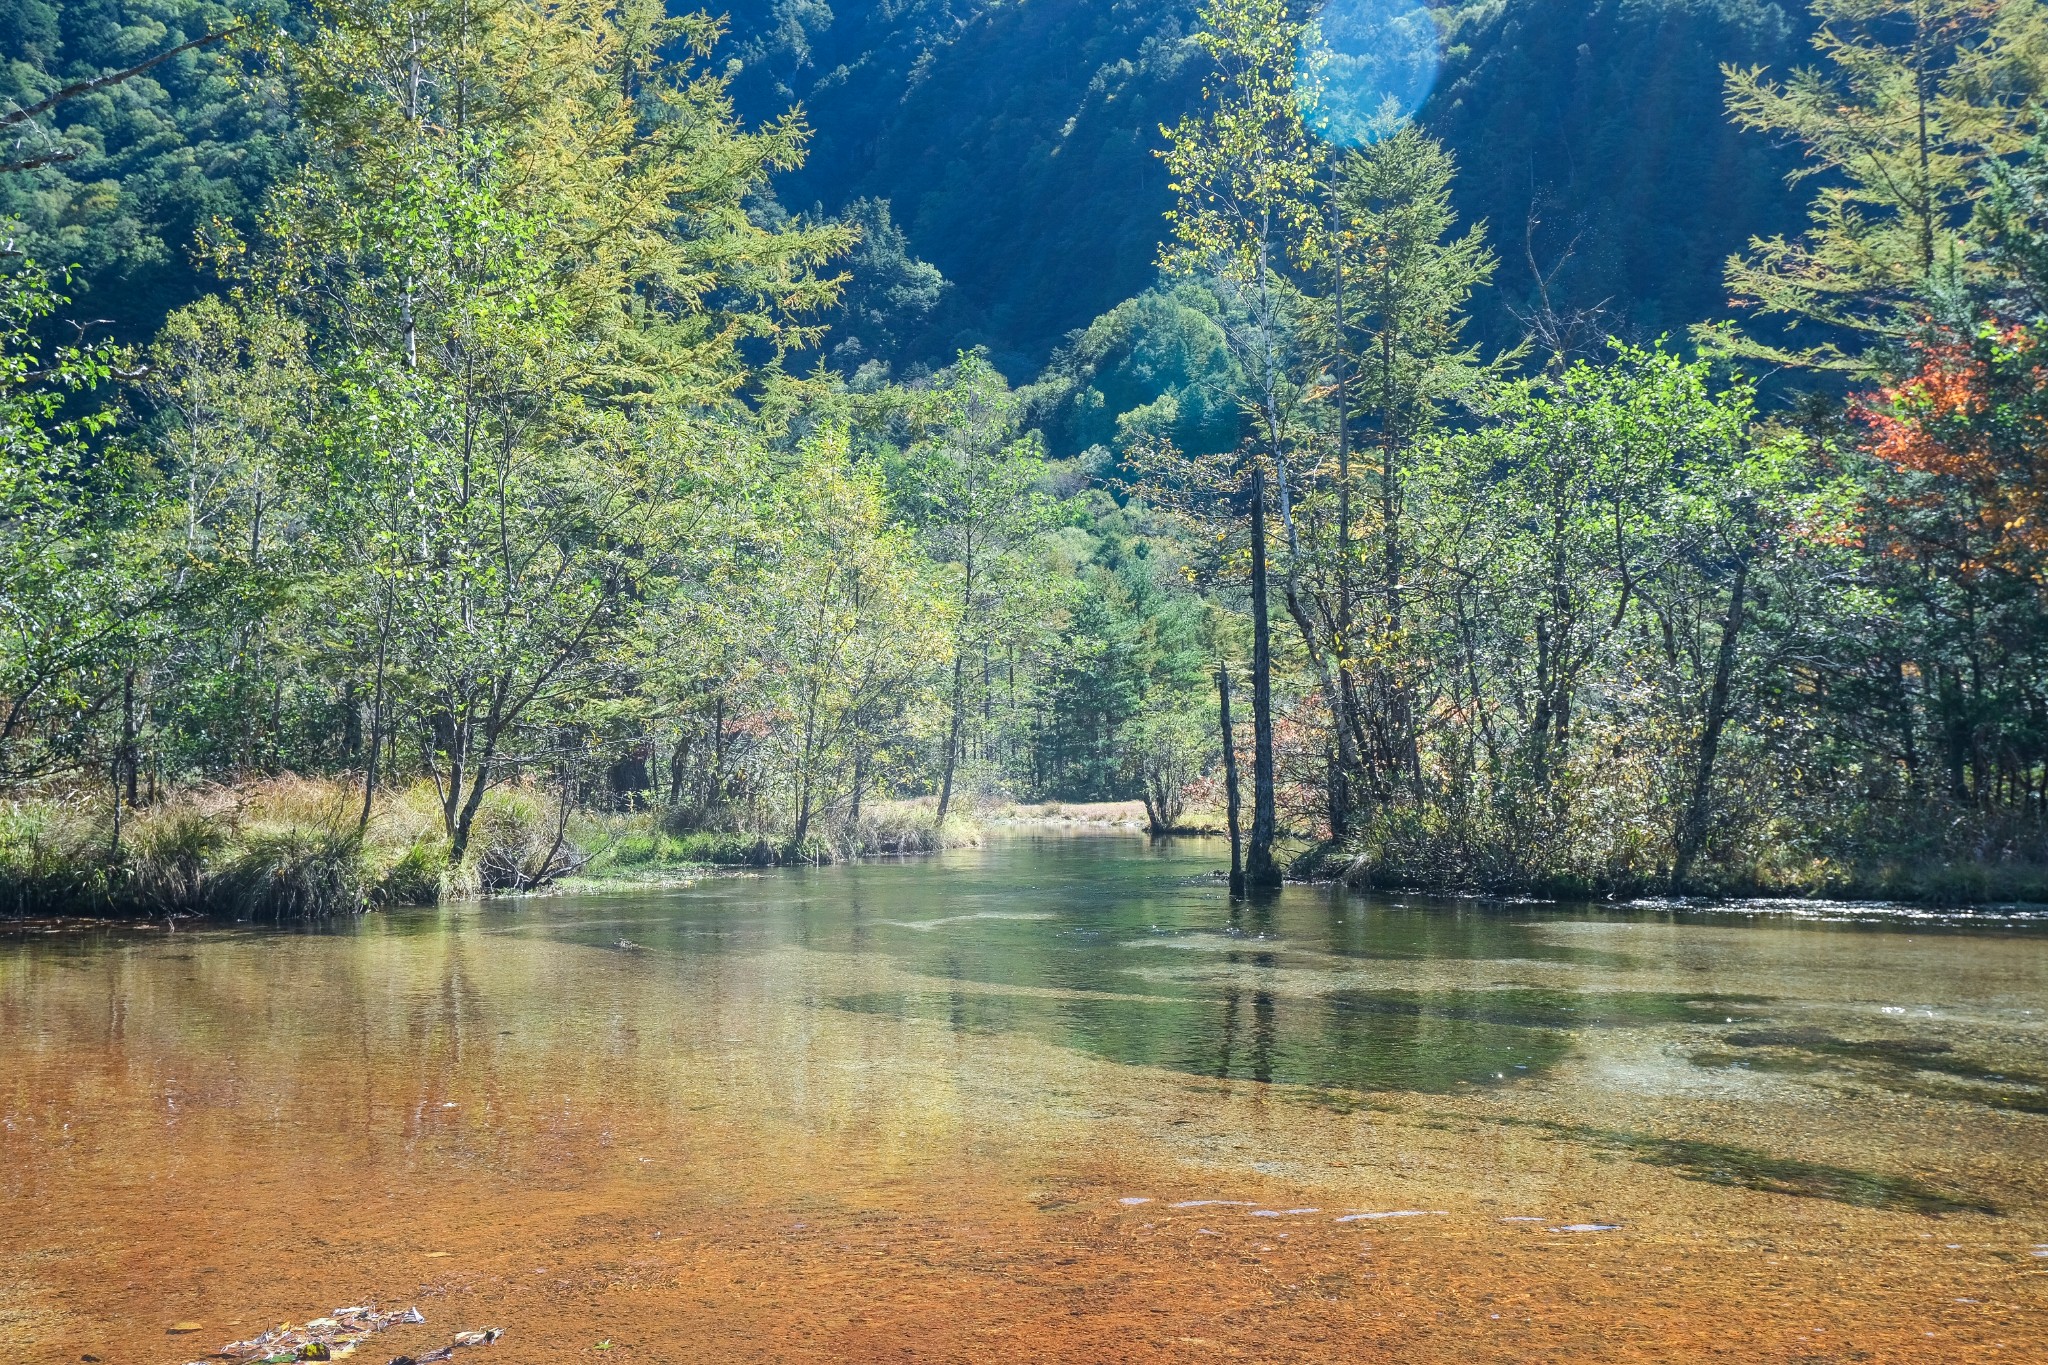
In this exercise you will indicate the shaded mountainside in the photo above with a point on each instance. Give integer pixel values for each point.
(150, 163)
(1011, 145)
(1015, 143)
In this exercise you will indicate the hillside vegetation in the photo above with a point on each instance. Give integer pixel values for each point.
(563, 452)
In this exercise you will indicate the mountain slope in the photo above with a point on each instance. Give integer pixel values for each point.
(1016, 140)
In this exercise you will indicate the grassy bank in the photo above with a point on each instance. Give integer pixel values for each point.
(1095, 814)
(1939, 857)
(644, 847)
(298, 848)
(280, 849)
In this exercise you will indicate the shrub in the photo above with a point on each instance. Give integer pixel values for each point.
(52, 860)
(171, 858)
(518, 841)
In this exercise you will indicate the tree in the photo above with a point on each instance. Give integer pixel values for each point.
(522, 247)
(848, 623)
(1244, 176)
(889, 296)
(1392, 320)
(1166, 751)
(971, 486)
(1916, 97)
(1590, 562)
(252, 529)
(76, 594)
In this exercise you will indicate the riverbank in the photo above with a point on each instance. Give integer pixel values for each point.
(292, 848)
(1906, 879)
(1125, 815)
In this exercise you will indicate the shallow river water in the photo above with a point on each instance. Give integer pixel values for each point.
(1054, 1098)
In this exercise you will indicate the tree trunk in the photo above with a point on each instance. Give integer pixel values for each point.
(1336, 698)
(1340, 692)
(1230, 779)
(860, 780)
(130, 757)
(1259, 868)
(952, 740)
(376, 729)
(1692, 826)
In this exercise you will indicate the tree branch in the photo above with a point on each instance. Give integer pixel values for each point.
(43, 106)
(34, 162)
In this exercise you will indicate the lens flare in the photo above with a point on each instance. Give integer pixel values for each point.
(1366, 65)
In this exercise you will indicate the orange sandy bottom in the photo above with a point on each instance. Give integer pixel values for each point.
(682, 1164)
(827, 1254)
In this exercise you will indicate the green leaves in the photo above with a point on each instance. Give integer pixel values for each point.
(73, 599)
(1244, 169)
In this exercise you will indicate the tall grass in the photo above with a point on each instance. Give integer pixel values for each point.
(281, 849)
(647, 846)
(289, 848)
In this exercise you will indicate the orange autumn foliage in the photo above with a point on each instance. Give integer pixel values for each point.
(1973, 420)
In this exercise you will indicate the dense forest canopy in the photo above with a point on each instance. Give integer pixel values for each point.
(1014, 147)
(452, 441)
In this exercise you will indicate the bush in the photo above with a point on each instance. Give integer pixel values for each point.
(172, 857)
(53, 860)
(518, 842)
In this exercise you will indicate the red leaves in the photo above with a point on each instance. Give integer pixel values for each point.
(1969, 427)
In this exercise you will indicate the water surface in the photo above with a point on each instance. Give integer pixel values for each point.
(1059, 1096)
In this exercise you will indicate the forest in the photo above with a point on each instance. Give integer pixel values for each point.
(451, 446)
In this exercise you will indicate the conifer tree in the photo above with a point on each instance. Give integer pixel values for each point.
(1916, 96)
(1244, 173)
(1392, 316)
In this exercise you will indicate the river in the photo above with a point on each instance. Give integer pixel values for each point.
(1053, 1098)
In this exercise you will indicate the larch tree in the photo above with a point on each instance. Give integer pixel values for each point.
(972, 487)
(1915, 98)
(522, 243)
(1243, 171)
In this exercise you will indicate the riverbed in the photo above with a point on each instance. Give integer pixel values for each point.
(1053, 1098)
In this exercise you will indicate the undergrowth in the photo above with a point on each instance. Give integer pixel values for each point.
(297, 849)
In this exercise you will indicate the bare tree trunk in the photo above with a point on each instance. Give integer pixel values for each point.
(121, 757)
(952, 739)
(1340, 694)
(376, 727)
(1693, 823)
(1335, 697)
(129, 756)
(1259, 868)
(860, 780)
(1230, 779)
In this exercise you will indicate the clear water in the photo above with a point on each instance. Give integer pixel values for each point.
(1079, 1029)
